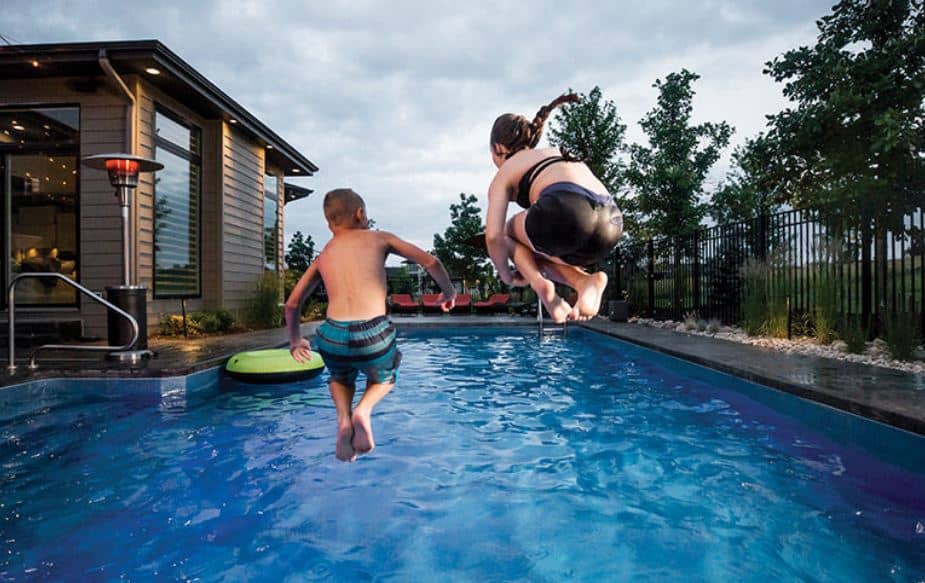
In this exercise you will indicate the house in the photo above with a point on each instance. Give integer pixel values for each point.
(204, 228)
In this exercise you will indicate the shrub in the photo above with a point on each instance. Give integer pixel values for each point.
(854, 335)
(701, 325)
(755, 304)
(213, 321)
(777, 317)
(825, 313)
(172, 325)
(314, 310)
(263, 308)
(901, 336)
(713, 326)
(690, 321)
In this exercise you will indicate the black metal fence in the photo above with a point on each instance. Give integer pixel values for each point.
(857, 268)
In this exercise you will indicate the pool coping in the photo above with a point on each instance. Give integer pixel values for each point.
(889, 396)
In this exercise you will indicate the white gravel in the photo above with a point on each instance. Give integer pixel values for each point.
(875, 354)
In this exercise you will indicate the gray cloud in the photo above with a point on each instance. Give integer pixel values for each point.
(396, 98)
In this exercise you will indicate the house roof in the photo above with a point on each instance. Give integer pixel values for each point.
(293, 193)
(177, 78)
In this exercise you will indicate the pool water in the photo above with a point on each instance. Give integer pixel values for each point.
(501, 457)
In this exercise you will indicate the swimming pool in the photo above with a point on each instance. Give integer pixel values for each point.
(500, 457)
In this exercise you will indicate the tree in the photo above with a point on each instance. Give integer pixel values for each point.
(746, 192)
(668, 175)
(592, 130)
(855, 138)
(301, 252)
(400, 282)
(455, 249)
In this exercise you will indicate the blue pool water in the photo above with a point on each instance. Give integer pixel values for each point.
(500, 457)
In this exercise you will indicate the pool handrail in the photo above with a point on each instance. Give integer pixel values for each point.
(11, 302)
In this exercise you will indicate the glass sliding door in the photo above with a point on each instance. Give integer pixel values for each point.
(39, 170)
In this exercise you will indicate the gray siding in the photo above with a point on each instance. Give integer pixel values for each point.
(242, 205)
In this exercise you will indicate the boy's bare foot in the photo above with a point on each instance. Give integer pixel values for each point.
(344, 450)
(558, 308)
(589, 296)
(363, 441)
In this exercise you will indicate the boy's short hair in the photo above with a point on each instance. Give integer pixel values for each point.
(340, 204)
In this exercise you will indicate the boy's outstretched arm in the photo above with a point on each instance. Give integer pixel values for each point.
(431, 264)
(298, 346)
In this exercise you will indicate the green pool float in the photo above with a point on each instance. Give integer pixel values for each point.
(274, 366)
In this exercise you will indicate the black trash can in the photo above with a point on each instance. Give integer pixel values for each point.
(133, 299)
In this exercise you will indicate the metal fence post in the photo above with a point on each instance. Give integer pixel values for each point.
(651, 278)
(866, 295)
(696, 275)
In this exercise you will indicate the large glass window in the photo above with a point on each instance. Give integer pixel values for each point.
(39, 195)
(176, 208)
(271, 222)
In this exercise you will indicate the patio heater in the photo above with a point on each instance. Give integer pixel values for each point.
(123, 172)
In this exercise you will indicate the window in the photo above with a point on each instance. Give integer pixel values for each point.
(176, 208)
(271, 222)
(39, 149)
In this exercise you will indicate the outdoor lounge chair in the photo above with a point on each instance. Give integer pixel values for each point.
(495, 303)
(431, 302)
(403, 303)
(463, 304)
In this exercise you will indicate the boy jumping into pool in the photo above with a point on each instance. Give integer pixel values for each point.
(356, 336)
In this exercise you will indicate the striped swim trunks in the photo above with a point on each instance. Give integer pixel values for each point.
(366, 346)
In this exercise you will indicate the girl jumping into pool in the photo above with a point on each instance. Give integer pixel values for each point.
(569, 220)
(356, 336)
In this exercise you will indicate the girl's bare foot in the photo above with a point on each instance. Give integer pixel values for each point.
(590, 293)
(558, 308)
(363, 441)
(344, 449)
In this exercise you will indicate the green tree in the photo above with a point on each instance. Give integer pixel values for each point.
(400, 282)
(301, 252)
(668, 175)
(592, 130)
(854, 139)
(454, 248)
(746, 192)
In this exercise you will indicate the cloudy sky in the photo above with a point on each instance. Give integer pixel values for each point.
(396, 99)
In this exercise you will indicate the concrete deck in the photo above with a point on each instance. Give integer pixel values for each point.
(887, 395)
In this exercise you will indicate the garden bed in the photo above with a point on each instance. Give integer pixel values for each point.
(876, 353)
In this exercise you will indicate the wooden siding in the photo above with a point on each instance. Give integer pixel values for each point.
(242, 223)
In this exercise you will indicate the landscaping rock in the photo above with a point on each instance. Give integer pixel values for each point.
(877, 353)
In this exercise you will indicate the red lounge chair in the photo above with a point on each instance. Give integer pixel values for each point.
(496, 303)
(431, 302)
(403, 303)
(463, 303)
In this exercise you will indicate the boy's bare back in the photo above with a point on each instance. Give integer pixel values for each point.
(352, 266)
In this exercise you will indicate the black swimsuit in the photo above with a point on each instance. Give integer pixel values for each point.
(569, 221)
